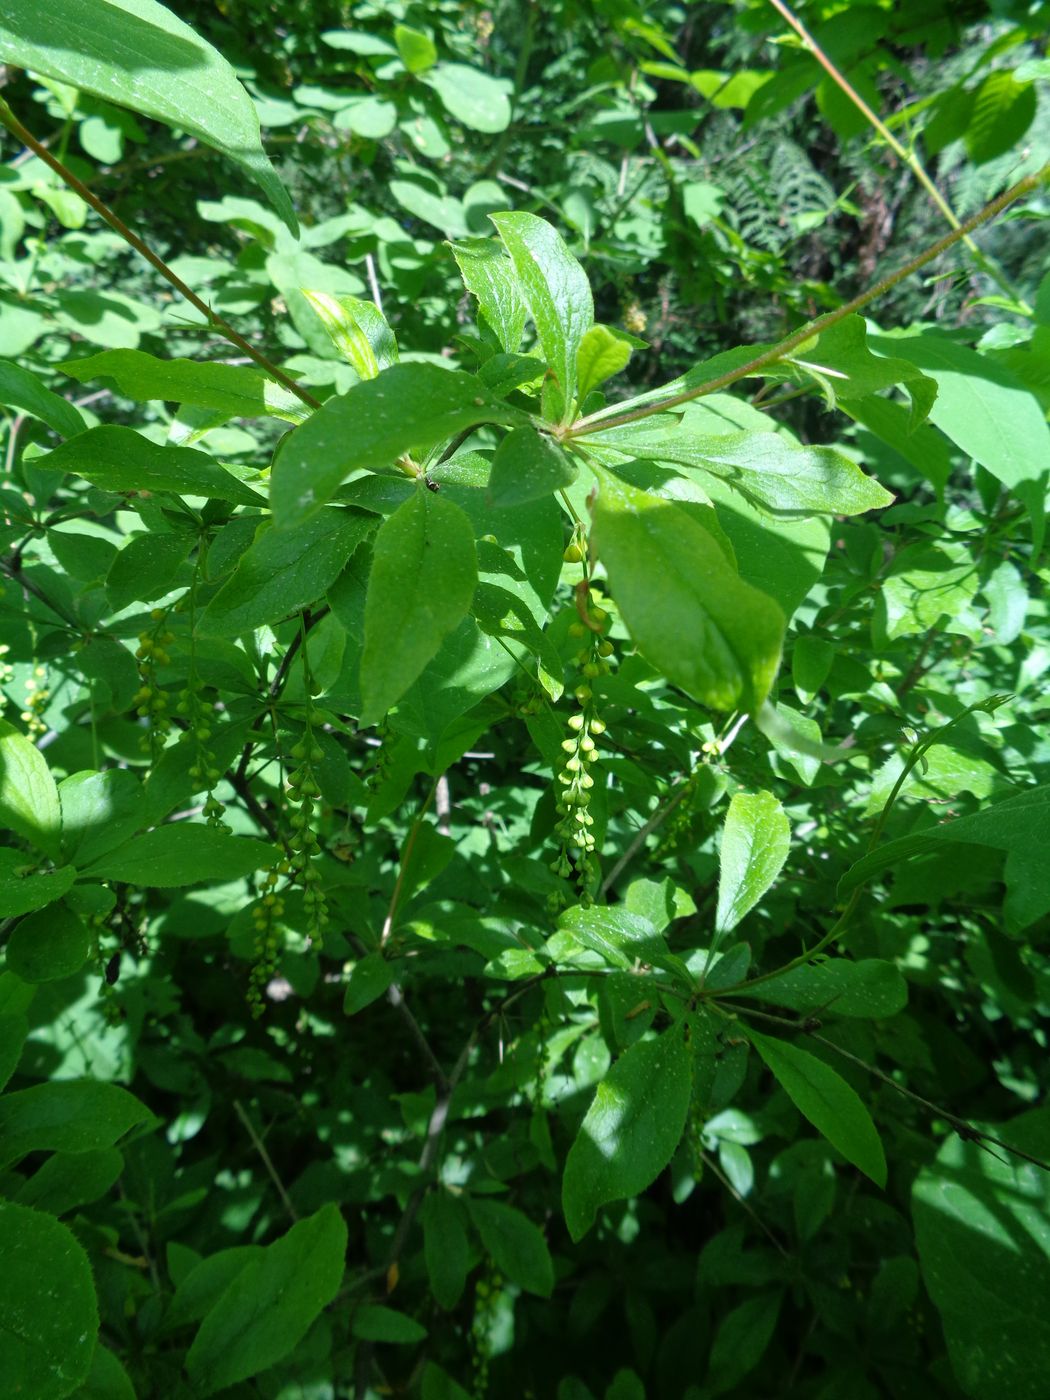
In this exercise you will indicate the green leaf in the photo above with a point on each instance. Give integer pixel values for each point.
(1020, 826)
(120, 459)
(66, 1116)
(619, 936)
(22, 891)
(424, 572)
(22, 390)
(445, 1247)
(981, 1230)
(374, 1323)
(741, 1342)
(489, 274)
(106, 1380)
(183, 853)
(527, 466)
(416, 48)
(986, 411)
(99, 811)
(690, 614)
(826, 1100)
(137, 54)
(472, 97)
(555, 289)
(146, 568)
(764, 467)
(285, 570)
(870, 988)
(203, 1285)
(603, 352)
(407, 406)
(270, 1304)
(755, 843)
(29, 802)
(235, 390)
(631, 1129)
(67, 1180)
(842, 363)
(358, 330)
(516, 1245)
(48, 945)
(48, 1310)
(1002, 112)
(369, 979)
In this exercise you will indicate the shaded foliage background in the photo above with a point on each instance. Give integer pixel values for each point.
(719, 190)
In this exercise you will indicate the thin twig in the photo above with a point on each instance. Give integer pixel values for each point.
(9, 120)
(598, 422)
(267, 1161)
(909, 158)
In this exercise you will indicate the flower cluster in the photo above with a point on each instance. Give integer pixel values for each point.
(576, 781)
(268, 941)
(302, 794)
(204, 772)
(151, 703)
(37, 696)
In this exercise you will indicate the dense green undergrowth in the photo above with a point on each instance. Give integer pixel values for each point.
(524, 778)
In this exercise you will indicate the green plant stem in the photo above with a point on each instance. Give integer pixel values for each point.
(594, 423)
(910, 159)
(217, 322)
(406, 856)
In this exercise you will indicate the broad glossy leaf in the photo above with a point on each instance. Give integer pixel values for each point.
(743, 1336)
(23, 390)
(755, 843)
(49, 944)
(986, 411)
(515, 1244)
(1020, 826)
(981, 1229)
(927, 584)
(689, 612)
(472, 97)
(74, 1115)
(28, 796)
(375, 1323)
(137, 54)
(528, 466)
(269, 1305)
(416, 48)
(358, 329)
(183, 853)
(22, 889)
(489, 274)
(66, 1180)
(620, 937)
(408, 406)
(146, 568)
(284, 570)
(844, 366)
(99, 811)
(555, 289)
(870, 988)
(631, 1129)
(602, 353)
(826, 1100)
(445, 1247)
(120, 459)
(48, 1310)
(424, 572)
(764, 467)
(369, 979)
(232, 389)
